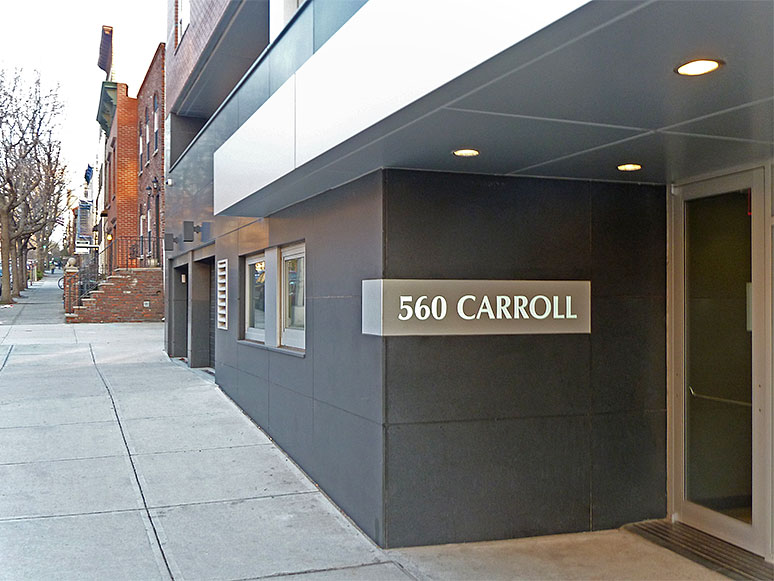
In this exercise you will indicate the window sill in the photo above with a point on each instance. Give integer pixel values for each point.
(285, 350)
(155, 151)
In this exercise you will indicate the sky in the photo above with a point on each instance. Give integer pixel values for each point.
(60, 39)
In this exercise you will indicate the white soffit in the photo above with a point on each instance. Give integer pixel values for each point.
(388, 55)
(260, 151)
(392, 52)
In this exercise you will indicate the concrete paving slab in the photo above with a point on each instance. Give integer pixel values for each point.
(200, 432)
(60, 442)
(218, 475)
(377, 572)
(56, 411)
(255, 538)
(63, 352)
(67, 487)
(31, 384)
(196, 399)
(115, 546)
(40, 333)
(150, 377)
(613, 554)
(141, 336)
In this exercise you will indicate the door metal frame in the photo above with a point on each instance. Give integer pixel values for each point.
(757, 537)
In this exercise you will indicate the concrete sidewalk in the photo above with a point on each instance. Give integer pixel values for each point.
(117, 463)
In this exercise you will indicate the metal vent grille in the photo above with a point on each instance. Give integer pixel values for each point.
(223, 294)
(720, 556)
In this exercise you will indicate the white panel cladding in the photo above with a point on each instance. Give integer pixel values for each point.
(392, 52)
(388, 55)
(222, 293)
(259, 152)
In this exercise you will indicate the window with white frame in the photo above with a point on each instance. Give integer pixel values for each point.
(255, 308)
(140, 148)
(293, 297)
(275, 297)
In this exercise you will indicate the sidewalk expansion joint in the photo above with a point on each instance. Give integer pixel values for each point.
(7, 356)
(26, 426)
(131, 461)
(332, 569)
(232, 500)
(47, 460)
(7, 519)
(199, 449)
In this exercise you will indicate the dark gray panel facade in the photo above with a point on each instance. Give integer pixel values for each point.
(324, 406)
(444, 439)
(501, 436)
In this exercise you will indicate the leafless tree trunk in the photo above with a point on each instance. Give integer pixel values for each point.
(31, 173)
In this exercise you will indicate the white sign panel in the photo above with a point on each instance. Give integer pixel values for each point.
(476, 307)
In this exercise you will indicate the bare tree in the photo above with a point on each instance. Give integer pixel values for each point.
(31, 174)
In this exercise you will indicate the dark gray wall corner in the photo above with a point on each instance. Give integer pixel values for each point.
(505, 436)
(324, 409)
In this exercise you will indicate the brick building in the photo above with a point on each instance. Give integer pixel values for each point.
(150, 153)
(118, 119)
(131, 203)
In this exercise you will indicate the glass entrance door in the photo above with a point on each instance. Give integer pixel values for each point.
(718, 354)
(719, 363)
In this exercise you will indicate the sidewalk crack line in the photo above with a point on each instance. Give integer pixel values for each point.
(131, 461)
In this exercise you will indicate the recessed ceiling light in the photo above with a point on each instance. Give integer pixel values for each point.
(629, 167)
(698, 67)
(465, 152)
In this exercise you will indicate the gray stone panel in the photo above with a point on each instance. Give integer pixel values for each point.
(355, 388)
(628, 345)
(252, 359)
(349, 464)
(629, 240)
(465, 481)
(461, 226)
(294, 373)
(487, 377)
(291, 425)
(629, 468)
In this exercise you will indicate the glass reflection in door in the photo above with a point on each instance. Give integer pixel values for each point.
(718, 422)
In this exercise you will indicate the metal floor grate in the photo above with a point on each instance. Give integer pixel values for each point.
(720, 556)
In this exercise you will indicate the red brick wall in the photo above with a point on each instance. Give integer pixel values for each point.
(185, 52)
(153, 160)
(121, 298)
(122, 174)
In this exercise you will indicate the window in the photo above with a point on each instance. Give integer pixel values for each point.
(155, 123)
(140, 148)
(255, 309)
(147, 137)
(293, 297)
(275, 297)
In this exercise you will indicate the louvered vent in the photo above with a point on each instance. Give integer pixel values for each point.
(223, 294)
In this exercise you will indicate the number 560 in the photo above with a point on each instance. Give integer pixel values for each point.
(421, 309)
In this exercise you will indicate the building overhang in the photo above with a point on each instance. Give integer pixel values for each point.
(238, 39)
(107, 105)
(586, 92)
